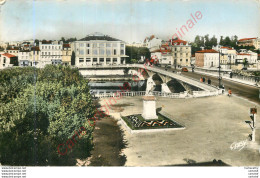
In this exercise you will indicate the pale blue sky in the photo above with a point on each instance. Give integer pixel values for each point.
(128, 20)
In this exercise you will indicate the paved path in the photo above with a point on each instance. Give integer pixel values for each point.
(212, 125)
(249, 92)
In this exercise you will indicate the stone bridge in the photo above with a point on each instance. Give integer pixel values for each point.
(142, 72)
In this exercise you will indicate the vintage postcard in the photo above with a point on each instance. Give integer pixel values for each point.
(130, 83)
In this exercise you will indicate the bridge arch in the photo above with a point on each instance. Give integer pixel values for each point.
(175, 86)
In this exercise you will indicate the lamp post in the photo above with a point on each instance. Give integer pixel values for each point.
(229, 56)
(219, 78)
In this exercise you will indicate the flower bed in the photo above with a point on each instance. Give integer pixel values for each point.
(137, 122)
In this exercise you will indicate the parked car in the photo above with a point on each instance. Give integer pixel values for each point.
(167, 66)
(184, 69)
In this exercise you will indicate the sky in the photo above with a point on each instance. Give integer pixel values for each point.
(127, 20)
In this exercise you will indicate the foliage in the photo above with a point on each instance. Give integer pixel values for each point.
(136, 53)
(40, 109)
(133, 61)
(203, 41)
(73, 58)
(68, 40)
(14, 61)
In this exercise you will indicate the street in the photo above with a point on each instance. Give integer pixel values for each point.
(249, 92)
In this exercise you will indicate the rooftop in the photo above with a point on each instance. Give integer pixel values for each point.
(226, 48)
(66, 45)
(8, 55)
(98, 36)
(207, 51)
(245, 39)
(35, 48)
(179, 41)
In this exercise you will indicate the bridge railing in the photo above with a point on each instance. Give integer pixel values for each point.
(156, 93)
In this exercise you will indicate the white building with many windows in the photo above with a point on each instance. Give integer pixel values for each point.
(99, 49)
(24, 58)
(51, 52)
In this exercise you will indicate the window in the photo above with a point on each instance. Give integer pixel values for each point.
(108, 52)
(122, 52)
(4, 60)
(114, 59)
(175, 49)
(187, 60)
(101, 44)
(88, 45)
(81, 60)
(95, 52)
(88, 60)
(94, 45)
(94, 59)
(108, 44)
(180, 59)
(81, 44)
(101, 60)
(101, 51)
(108, 60)
(87, 51)
(122, 45)
(114, 51)
(81, 52)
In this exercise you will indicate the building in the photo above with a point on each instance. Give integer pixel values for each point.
(192, 60)
(227, 57)
(35, 56)
(14, 50)
(152, 43)
(51, 52)
(7, 60)
(163, 55)
(66, 54)
(246, 59)
(99, 49)
(24, 58)
(181, 53)
(138, 45)
(249, 42)
(207, 58)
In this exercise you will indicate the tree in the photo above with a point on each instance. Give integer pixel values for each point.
(35, 120)
(73, 58)
(227, 41)
(245, 62)
(234, 41)
(207, 42)
(213, 41)
(63, 39)
(136, 53)
(36, 41)
(14, 61)
(221, 41)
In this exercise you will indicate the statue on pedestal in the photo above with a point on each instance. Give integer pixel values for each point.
(149, 104)
(150, 86)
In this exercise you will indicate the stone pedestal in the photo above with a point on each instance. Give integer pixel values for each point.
(149, 107)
